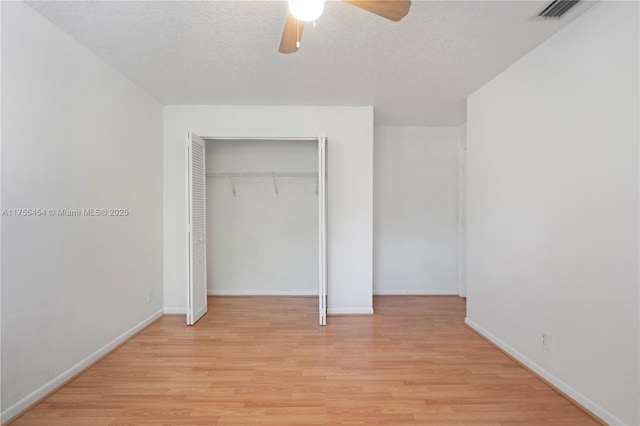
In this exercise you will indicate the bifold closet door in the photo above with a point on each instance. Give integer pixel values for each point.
(322, 213)
(196, 229)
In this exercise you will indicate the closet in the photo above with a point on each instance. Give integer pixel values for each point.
(264, 214)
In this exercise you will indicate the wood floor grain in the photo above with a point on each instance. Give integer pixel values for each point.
(265, 361)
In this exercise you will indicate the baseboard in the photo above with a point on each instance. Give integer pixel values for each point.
(563, 388)
(172, 311)
(436, 292)
(49, 387)
(261, 293)
(350, 311)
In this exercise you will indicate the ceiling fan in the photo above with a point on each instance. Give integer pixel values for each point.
(301, 11)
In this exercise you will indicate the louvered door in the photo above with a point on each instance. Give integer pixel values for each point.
(322, 213)
(196, 229)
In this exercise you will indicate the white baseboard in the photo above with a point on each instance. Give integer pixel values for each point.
(436, 292)
(261, 293)
(58, 381)
(585, 402)
(170, 311)
(349, 311)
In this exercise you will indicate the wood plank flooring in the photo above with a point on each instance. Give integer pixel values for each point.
(265, 361)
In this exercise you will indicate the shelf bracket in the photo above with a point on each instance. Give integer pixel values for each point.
(233, 186)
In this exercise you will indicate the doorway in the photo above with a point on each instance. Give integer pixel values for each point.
(264, 210)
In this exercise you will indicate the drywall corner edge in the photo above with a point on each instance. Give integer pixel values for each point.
(49, 387)
(563, 387)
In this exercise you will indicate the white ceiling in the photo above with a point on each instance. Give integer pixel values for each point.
(418, 71)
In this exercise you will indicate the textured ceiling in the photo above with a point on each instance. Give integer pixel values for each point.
(418, 71)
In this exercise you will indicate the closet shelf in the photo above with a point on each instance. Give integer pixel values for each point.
(271, 175)
(262, 174)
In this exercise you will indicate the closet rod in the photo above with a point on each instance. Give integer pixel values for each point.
(235, 138)
(261, 174)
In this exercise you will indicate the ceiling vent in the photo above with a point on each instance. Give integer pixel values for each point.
(557, 8)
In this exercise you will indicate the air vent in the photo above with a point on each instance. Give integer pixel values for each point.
(557, 8)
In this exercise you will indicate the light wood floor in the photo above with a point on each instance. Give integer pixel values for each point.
(257, 361)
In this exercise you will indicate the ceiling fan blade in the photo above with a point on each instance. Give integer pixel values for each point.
(291, 34)
(393, 10)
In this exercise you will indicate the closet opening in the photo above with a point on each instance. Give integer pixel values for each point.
(264, 214)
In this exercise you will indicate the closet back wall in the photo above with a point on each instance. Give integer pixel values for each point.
(260, 242)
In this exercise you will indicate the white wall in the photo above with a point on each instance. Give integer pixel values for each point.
(415, 210)
(260, 242)
(553, 210)
(75, 134)
(349, 186)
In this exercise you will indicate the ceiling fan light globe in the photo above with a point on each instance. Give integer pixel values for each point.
(306, 10)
